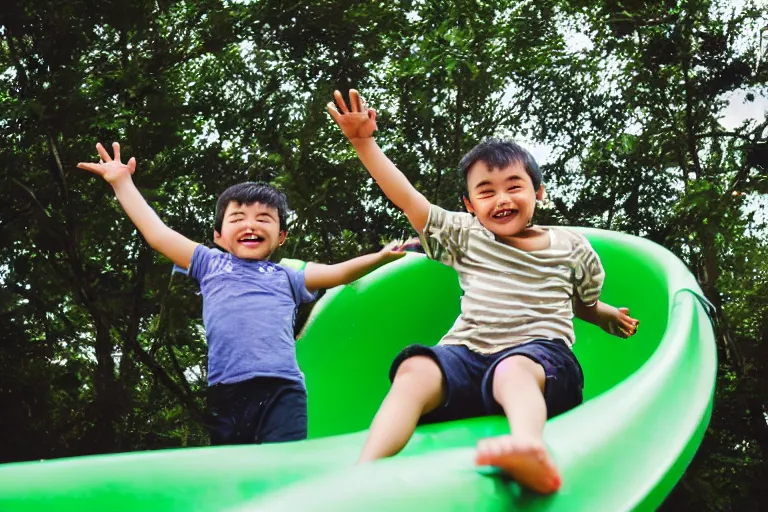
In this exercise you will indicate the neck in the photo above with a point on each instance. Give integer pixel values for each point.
(224, 249)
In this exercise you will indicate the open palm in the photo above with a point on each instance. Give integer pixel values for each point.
(356, 122)
(392, 251)
(110, 169)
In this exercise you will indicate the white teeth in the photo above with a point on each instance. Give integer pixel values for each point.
(505, 213)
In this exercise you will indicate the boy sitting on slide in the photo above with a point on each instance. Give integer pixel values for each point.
(510, 348)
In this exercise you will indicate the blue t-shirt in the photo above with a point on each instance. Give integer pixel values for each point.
(249, 307)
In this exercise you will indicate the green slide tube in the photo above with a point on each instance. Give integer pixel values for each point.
(647, 404)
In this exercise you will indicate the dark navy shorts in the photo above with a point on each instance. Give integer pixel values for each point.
(258, 410)
(468, 377)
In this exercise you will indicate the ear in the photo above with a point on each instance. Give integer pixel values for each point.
(281, 237)
(217, 239)
(541, 194)
(468, 205)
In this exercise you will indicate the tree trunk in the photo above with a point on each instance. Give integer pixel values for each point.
(105, 390)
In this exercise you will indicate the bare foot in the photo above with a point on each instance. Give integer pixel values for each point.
(525, 460)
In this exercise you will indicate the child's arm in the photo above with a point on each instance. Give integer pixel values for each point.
(358, 126)
(176, 247)
(317, 276)
(612, 320)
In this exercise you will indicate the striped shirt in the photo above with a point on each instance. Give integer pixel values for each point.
(511, 296)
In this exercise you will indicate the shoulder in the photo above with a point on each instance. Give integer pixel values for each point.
(210, 252)
(290, 271)
(440, 217)
(207, 259)
(570, 238)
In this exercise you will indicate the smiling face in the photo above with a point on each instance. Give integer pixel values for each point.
(250, 231)
(503, 200)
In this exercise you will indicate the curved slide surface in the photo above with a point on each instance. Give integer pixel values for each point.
(647, 404)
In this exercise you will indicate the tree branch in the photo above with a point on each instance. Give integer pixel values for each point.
(162, 376)
(59, 175)
(715, 134)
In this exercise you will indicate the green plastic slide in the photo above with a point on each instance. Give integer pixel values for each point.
(647, 404)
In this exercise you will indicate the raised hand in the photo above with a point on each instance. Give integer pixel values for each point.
(356, 122)
(112, 170)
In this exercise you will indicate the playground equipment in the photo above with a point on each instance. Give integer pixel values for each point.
(647, 404)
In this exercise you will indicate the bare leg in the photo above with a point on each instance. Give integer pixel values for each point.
(518, 385)
(416, 390)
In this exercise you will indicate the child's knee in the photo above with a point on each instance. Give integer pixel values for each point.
(419, 370)
(517, 367)
(420, 380)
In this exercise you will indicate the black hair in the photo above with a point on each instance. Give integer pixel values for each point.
(248, 193)
(498, 154)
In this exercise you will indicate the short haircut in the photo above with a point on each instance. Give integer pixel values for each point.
(248, 193)
(498, 154)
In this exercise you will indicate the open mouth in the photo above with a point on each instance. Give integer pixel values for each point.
(250, 240)
(503, 214)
